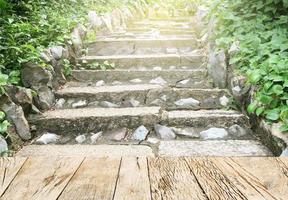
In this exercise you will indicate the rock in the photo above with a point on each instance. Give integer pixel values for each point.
(34, 76)
(140, 133)
(46, 56)
(107, 104)
(164, 132)
(159, 80)
(234, 48)
(186, 132)
(156, 102)
(164, 97)
(60, 103)
(284, 153)
(15, 114)
(137, 80)
(117, 135)
(236, 89)
(214, 133)
(184, 82)
(80, 104)
(80, 139)
(3, 145)
(116, 83)
(172, 67)
(153, 140)
(35, 110)
(93, 104)
(48, 138)
(59, 78)
(171, 50)
(57, 52)
(131, 103)
(157, 68)
(187, 102)
(224, 101)
(95, 137)
(217, 68)
(237, 130)
(45, 98)
(100, 83)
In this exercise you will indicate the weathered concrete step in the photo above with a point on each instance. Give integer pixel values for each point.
(85, 150)
(231, 148)
(162, 30)
(196, 78)
(159, 24)
(148, 35)
(141, 46)
(141, 95)
(175, 19)
(162, 60)
(88, 120)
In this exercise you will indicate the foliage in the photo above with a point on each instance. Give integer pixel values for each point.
(102, 66)
(261, 29)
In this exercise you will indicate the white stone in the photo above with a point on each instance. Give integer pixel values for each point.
(57, 52)
(186, 132)
(95, 137)
(48, 138)
(117, 135)
(234, 48)
(132, 103)
(237, 130)
(116, 83)
(153, 140)
(224, 101)
(157, 68)
(140, 133)
(100, 83)
(60, 103)
(184, 82)
(107, 104)
(284, 153)
(237, 89)
(3, 145)
(187, 102)
(171, 50)
(137, 80)
(164, 132)
(172, 67)
(80, 104)
(159, 80)
(214, 133)
(164, 97)
(156, 102)
(80, 139)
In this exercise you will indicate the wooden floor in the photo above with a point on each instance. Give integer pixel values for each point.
(46, 178)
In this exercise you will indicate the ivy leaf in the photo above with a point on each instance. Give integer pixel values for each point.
(273, 115)
(259, 111)
(277, 89)
(252, 107)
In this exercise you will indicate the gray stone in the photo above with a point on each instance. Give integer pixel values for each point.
(214, 133)
(224, 101)
(159, 80)
(187, 102)
(234, 48)
(3, 145)
(156, 102)
(94, 138)
(171, 50)
(217, 68)
(186, 132)
(46, 56)
(131, 103)
(117, 135)
(284, 153)
(16, 115)
(164, 132)
(93, 104)
(45, 98)
(48, 138)
(157, 68)
(153, 140)
(184, 82)
(116, 83)
(80, 104)
(140, 133)
(107, 104)
(80, 139)
(237, 131)
(164, 98)
(100, 83)
(60, 103)
(57, 52)
(137, 80)
(21, 96)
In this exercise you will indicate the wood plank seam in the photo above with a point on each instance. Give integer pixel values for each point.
(71, 177)
(116, 183)
(13, 177)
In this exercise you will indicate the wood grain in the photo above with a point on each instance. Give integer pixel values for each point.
(133, 180)
(42, 178)
(172, 179)
(9, 168)
(95, 179)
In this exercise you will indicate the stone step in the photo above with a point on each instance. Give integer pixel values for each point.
(175, 19)
(141, 46)
(197, 78)
(192, 61)
(87, 120)
(142, 95)
(148, 35)
(163, 24)
(86, 150)
(231, 148)
(162, 30)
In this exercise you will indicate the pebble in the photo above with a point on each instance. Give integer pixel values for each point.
(107, 104)
(80, 104)
(214, 133)
(140, 133)
(60, 103)
(164, 132)
(159, 80)
(137, 80)
(187, 102)
(187, 132)
(184, 82)
(164, 97)
(116, 83)
(237, 130)
(153, 140)
(131, 103)
(80, 139)
(3, 145)
(284, 153)
(100, 83)
(95, 137)
(224, 101)
(48, 138)
(157, 68)
(117, 135)
(156, 102)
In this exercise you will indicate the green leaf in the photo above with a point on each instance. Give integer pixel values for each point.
(277, 89)
(259, 111)
(252, 107)
(273, 115)
(2, 115)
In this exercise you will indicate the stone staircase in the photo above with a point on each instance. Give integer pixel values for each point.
(158, 101)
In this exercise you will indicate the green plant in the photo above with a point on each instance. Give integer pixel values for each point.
(260, 28)
(4, 124)
(103, 66)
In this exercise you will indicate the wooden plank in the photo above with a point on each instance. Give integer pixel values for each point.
(95, 179)
(171, 178)
(268, 173)
(42, 178)
(9, 168)
(133, 180)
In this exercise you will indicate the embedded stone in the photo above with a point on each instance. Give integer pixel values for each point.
(57, 52)
(186, 132)
(100, 83)
(60, 103)
(48, 138)
(137, 80)
(237, 130)
(284, 153)
(159, 80)
(80, 139)
(187, 102)
(214, 133)
(117, 135)
(184, 82)
(80, 104)
(164, 132)
(153, 140)
(94, 138)
(131, 103)
(107, 104)
(224, 101)
(140, 133)
(3, 145)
